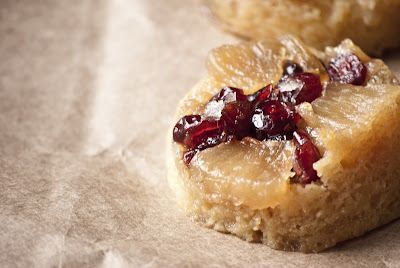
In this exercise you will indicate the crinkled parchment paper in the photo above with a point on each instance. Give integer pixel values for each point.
(87, 91)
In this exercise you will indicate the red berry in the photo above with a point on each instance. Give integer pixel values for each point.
(236, 117)
(207, 133)
(305, 155)
(217, 103)
(181, 128)
(229, 94)
(273, 120)
(198, 134)
(299, 88)
(261, 95)
(347, 69)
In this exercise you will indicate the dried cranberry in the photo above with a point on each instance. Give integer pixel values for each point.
(198, 134)
(297, 118)
(299, 88)
(347, 69)
(229, 94)
(181, 128)
(207, 133)
(273, 119)
(291, 67)
(263, 94)
(236, 117)
(216, 104)
(305, 155)
(267, 114)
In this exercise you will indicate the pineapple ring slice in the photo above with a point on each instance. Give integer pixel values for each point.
(242, 187)
(371, 24)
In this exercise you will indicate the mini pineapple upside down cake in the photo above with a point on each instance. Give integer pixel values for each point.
(289, 146)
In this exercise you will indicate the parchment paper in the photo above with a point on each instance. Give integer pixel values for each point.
(87, 91)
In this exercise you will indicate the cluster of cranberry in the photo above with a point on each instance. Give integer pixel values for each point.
(266, 114)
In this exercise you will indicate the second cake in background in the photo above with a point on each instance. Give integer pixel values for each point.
(372, 24)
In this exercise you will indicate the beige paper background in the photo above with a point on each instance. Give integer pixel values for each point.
(87, 91)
